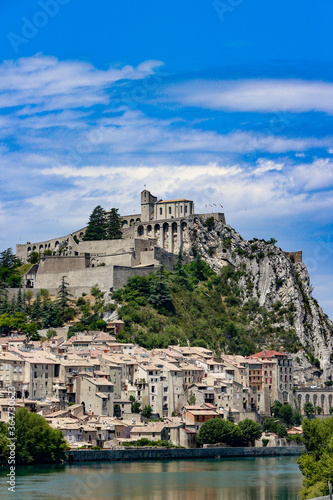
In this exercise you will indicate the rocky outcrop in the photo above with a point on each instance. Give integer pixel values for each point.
(273, 278)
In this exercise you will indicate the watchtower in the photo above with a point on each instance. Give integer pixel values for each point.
(147, 205)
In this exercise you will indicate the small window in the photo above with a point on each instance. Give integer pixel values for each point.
(169, 210)
(160, 211)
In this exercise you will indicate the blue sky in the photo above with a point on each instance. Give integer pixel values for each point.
(226, 102)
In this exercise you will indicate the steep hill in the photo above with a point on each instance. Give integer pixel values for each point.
(235, 296)
(280, 284)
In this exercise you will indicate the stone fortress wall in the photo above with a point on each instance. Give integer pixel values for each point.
(322, 397)
(150, 239)
(295, 256)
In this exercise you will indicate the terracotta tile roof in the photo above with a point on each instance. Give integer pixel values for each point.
(172, 201)
(266, 354)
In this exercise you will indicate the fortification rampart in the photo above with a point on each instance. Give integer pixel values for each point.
(294, 256)
(77, 278)
(60, 264)
(318, 396)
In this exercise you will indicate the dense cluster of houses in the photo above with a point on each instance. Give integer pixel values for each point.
(86, 386)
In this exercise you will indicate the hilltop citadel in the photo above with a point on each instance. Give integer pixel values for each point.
(150, 239)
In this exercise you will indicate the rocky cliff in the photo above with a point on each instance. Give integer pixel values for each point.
(277, 282)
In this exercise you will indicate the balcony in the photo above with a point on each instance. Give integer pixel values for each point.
(140, 381)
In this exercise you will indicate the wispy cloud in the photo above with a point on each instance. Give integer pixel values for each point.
(44, 83)
(296, 96)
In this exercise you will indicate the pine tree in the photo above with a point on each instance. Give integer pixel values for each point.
(181, 277)
(19, 301)
(8, 259)
(3, 299)
(97, 225)
(36, 309)
(114, 231)
(63, 295)
(159, 293)
(230, 416)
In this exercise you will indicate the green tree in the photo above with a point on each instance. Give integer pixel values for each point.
(210, 222)
(63, 296)
(34, 258)
(270, 425)
(8, 259)
(316, 463)
(114, 231)
(147, 411)
(230, 416)
(286, 414)
(135, 405)
(99, 302)
(160, 296)
(199, 269)
(31, 331)
(36, 309)
(181, 276)
(309, 409)
(19, 300)
(97, 225)
(297, 417)
(6, 323)
(51, 333)
(251, 431)
(281, 431)
(216, 430)
(37, 442)
(319, 410)
(275, 408)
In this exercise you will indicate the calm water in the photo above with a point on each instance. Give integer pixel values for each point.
(232, 479)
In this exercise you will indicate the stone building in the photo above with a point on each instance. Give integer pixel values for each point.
(96, 395)
(12, 372)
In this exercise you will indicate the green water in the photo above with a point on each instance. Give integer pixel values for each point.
(232, 479)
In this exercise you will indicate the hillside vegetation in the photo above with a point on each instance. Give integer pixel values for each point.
(196, 305)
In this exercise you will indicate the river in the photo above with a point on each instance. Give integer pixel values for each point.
(231, 479)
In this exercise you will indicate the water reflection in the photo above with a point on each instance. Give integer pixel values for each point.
(233, 479)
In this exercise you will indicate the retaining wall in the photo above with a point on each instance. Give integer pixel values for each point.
(179, 453)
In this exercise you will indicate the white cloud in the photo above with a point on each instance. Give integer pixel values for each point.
(132, 131)
(269, 96)
(44, 83)
(314, 176)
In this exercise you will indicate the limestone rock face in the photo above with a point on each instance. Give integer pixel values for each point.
(272, 278)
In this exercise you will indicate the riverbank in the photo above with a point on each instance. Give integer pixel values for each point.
(139, 454)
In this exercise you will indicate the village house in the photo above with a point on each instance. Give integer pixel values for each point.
(95, 394)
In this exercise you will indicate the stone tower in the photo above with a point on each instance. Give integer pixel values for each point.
(147, 206)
